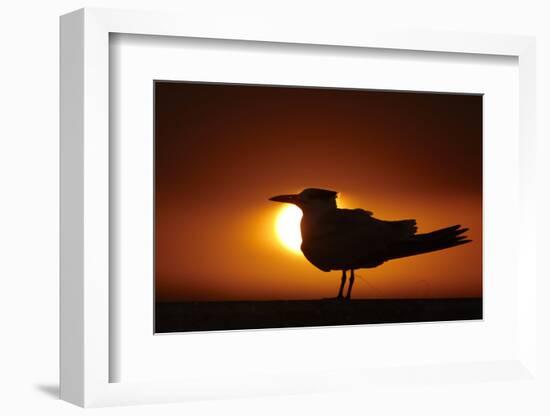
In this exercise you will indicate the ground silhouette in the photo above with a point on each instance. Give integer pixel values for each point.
(209, 316)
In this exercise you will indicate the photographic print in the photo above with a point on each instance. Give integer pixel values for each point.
(283, 206)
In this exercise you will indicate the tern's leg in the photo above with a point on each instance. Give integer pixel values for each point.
(351, 280)
(343, 282)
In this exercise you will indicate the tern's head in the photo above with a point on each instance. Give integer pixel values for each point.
(310, 199)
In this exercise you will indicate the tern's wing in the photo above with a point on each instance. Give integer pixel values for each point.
(361, 227)
(346, 237)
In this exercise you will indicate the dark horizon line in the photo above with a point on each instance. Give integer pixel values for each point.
(318, 300)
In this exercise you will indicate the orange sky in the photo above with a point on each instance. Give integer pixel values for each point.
(222, 150)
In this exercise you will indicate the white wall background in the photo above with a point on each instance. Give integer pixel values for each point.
(29, 190)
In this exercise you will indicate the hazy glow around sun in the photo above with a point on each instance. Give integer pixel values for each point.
(287, 228)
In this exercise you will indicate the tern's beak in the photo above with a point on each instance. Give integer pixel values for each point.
(290, 199)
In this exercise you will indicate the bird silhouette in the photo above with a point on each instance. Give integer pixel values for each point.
(351, 239)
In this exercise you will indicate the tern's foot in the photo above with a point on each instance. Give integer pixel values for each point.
(338, 298)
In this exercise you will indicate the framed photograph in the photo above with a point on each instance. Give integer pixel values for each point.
(226, 259)
(295, 199)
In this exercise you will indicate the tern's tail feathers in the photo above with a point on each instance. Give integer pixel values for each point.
(426, 243)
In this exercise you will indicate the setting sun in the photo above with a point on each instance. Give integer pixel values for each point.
(287, 228)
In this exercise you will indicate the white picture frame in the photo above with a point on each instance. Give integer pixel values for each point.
(85, 219)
